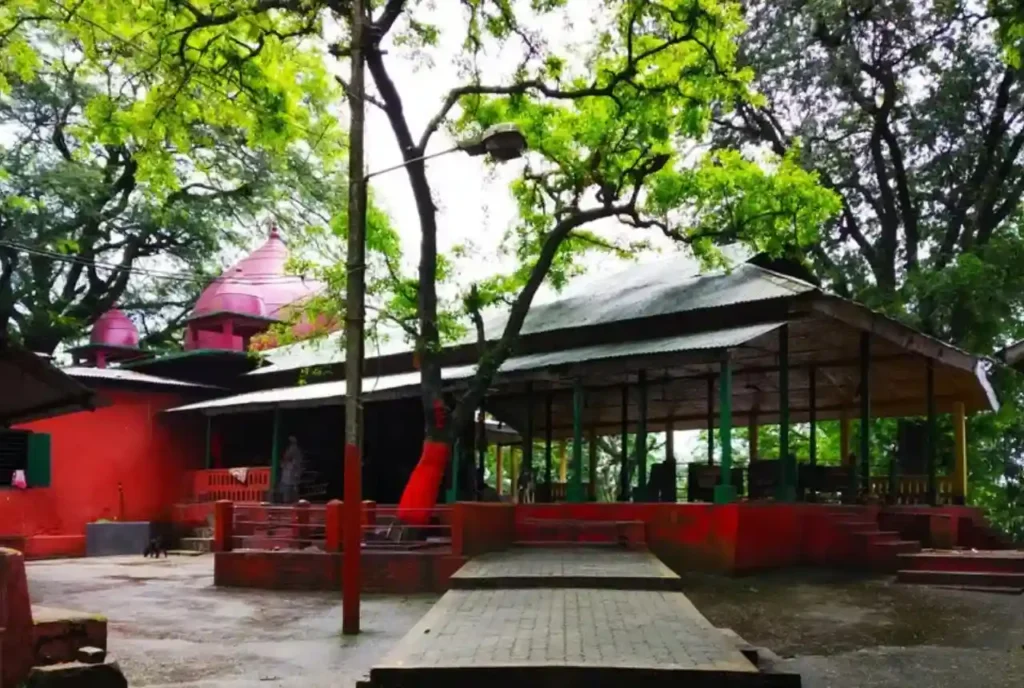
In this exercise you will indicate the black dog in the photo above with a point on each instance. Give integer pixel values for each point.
(155, 548)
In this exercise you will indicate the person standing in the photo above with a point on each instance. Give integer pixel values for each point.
(292, 467)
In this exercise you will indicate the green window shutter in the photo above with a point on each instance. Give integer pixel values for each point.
(37, 473)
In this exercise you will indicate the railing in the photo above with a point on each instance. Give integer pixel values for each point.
(237, 485)
(260, 526)
(913, 489)
(560, 491)
(383, 530)
(321, 527)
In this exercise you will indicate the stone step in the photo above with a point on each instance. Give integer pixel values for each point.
(973, 579)
(197, 544)
(1008, 561)
(184, 553)
(106, 674)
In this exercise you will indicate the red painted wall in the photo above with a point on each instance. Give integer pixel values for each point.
(129, 443)
(393, 573)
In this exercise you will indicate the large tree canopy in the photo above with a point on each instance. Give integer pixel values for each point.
(137, 139)
(608, 131)
(909, 111)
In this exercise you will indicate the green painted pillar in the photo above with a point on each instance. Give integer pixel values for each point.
(453, 488)
(711, 420)
(624, 452)
(813, 401)
(786, 491)
(527, 463)
(725, 491)
(575, 487)
(865, 413)
(932, 435)
(209, 438)
(275, 458)
(641, 438)
(481, 444)
(548, 430)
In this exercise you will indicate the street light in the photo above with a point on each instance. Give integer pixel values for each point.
(502, 142)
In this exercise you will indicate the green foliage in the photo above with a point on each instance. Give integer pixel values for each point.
(908, 112)
(146, 130)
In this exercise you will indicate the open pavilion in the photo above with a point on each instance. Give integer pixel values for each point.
(658, 348)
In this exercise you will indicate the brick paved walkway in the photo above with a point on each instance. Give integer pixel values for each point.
(566, 568)
(562, 636)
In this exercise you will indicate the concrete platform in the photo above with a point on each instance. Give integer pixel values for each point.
(578, 567)
(565, 618)
(567, 637)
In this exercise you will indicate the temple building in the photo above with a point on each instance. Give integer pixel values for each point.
(655, 348)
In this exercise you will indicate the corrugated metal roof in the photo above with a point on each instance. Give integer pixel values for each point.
(663, 287)
(123, 375)
(34, 388)
(655, 289)
(334, 391)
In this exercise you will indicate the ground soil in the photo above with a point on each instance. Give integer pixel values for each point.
(168, 626)
(842, 631)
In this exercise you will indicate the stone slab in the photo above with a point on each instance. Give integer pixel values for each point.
(565, 637)
(577, 567)
(105, 539)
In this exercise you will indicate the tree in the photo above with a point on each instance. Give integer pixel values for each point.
(910, 113)
(140, 145)
(914, 114)
(605, 134)
(612, 135)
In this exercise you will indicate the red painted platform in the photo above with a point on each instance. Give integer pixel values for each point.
(1002, 570)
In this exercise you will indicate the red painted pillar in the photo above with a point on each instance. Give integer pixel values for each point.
(17, 654)
(351, 540)
(334, 518)
(301, 519)
(369, 513)
(223, 525)
(458, 526)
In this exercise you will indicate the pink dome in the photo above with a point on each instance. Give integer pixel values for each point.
(114, 328)
(234, 295)
(263, 274)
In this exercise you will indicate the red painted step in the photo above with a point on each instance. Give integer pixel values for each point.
(856, 524)
(884, 556)
(873, 536)
(1006, 561)
(974, 579)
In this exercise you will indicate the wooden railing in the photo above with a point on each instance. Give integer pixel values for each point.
(913, 489)
(215, 484)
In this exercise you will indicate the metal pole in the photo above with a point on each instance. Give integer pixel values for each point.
(932, 434)
(548, 422)
(481, 449)
(813, 440)
(725, 491)
(670, 458)
(641, 438)
(711, 420)
(528, 440)
(209, 432)
(624, 466)
(785, 493)
(576, 491)
(275, 459)
(865, 413)
(354, 308)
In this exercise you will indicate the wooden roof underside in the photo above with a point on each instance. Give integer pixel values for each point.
(677, 384)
